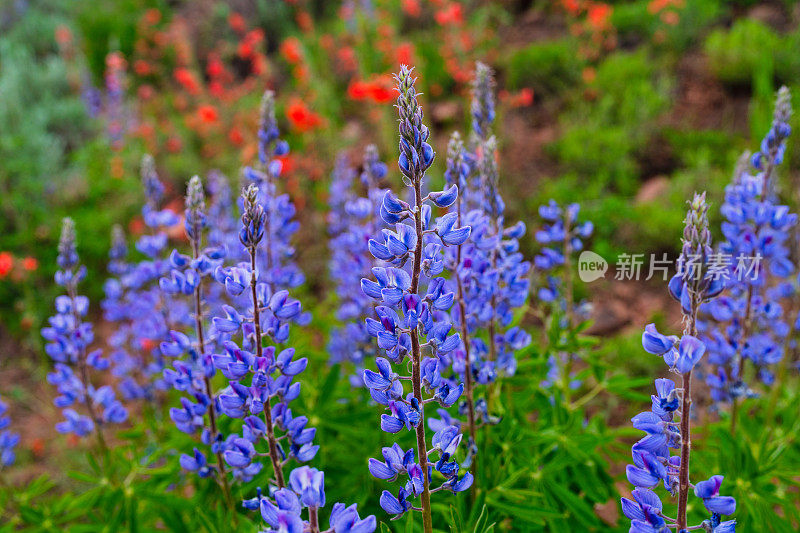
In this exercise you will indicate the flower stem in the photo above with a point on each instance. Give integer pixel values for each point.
(685, 427)
(277, 467)
(568, 309)
(209, 391)
(462, 310)
(84, 372)
(416, 376)
(313, 519)
(739, 356)
(686, 446)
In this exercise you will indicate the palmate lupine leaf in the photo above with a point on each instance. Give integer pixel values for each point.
(762, 470)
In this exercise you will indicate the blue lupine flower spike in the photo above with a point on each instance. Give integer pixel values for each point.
(68, 340)
(653, 463)
(8, 439)
(410, 321)
(747, 325)
(353, 219)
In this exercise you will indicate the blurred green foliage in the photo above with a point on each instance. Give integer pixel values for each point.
(750, 48)
(603, 135)
(54, 163)
(550, 67)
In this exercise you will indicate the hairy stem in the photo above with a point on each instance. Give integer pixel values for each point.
(568, 310)
(739, 358)
(462, 311)
(277, 467)
(201, 347)
(686, 429)
(84, 372)
(416, 376)
(313, 519)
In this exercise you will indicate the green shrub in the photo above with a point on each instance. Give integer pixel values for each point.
(53, 165)
(549, 67)
(636, 24)
(603, 136)
(750, 48)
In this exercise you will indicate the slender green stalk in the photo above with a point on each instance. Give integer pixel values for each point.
(277, 466)
(416, 375)
(201, 346)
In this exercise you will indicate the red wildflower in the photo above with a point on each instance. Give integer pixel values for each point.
(301, 73)
(305, 21)
(174, 145)
(670, 18)
(301, 117)
(235, 136)
(185, 77)
(326, 41)
(598, 15)
(452, 14)
(357, 90)
(379, 90)
(287, 164)
(412, 8)
(30, 264)
(244, 50)
(523, 98)
(291, 50)
(152, 17)
(254, 36)
(215, 67)
(237, 23)
(146, 92)
(136, 226)
(216, 89)
(37, 447)
(63, 35)
(656, 6)
(6, 263)
(141, 67)
(404, 54)
(572, 6)
(115, 61)
(385, 30)
(347, 57)
(146, 131)
(207, 113)
(258, 64)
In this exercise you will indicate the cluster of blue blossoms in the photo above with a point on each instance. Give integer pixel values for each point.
(8, 439)
(410, 320)
(653, 463)
(191, 347)
(747, 323)
(352, 220)
(275, 258)
(306, 489)
(68, 340)
(134, 300)
(490, 275)
(248, 304)
(561, 236)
